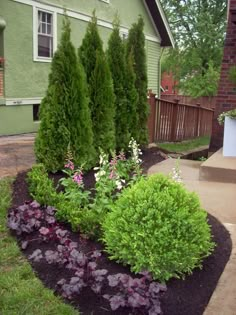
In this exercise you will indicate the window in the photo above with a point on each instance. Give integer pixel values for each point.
(167, 88)
(123, 35)
(36, 112)
(44, 35)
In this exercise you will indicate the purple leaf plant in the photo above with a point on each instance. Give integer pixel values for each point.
(141, 295)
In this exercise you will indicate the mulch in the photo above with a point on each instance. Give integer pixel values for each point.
(183, 297)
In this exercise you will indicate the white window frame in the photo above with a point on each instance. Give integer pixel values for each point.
(35, 34)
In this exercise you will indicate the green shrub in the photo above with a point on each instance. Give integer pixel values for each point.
(41, 188)
(157, 225)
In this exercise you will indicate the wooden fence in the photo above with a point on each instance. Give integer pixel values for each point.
(174, 121)
(204, 101)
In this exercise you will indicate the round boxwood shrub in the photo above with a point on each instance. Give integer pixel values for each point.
(157, 225)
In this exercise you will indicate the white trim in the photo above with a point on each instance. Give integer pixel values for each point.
(78, 15)
(23, 101)
(37, 8)
(163, 16)
(151, 18)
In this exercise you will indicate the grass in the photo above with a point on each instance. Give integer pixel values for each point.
(185, 145)
(21, 293)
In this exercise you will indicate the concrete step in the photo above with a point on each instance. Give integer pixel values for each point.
(219, 168)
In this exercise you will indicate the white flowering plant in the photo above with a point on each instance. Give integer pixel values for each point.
(111, 176)
(231, 113)
(135, 161)
(176, 173)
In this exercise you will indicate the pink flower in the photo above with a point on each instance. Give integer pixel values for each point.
(78, 178)
(69, 165)
(121, 156)
(113, 162)
(112, 174)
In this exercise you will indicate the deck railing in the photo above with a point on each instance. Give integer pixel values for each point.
(173, 121)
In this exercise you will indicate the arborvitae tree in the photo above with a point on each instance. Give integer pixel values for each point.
(102, 100)
(132, 97)
(64, 112)
(90, 45)
(116, 60)
(136, 43)
(100, 88)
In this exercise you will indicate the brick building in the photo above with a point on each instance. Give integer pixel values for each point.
(168, 83)
(226, 98)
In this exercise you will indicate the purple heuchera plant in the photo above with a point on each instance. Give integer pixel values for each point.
(29, 217)
(136, 293)
(139, 294)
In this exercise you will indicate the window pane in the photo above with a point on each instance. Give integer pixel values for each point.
(44, 28)
(45, 46)
(49, 29)
(40, 16)
(49, 18)
(39, 27)
(44, 16)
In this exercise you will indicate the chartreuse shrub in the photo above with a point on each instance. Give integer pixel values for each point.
(41, 187)
(157, 225)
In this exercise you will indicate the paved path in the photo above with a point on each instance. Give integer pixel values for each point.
(219, 199)
(16, 154)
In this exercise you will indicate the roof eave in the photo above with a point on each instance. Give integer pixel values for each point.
(161, 22)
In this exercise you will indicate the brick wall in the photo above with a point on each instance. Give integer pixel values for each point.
(168, 83)
(226, 98)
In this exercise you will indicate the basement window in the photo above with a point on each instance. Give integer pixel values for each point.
(36, 112)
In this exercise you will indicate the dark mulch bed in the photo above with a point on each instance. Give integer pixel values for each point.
(183, 297)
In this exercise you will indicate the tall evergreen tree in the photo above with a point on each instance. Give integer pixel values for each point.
(90, 45)
(116, 60)
(102, 100)
(100, 88)
(136, 44)
(132, 97)
(64, 112)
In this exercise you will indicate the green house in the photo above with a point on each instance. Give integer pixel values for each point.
(29, 33)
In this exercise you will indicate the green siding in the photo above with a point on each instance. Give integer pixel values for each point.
(153, 65)
(129, 10)
(23, 77)
(26, 78)
(17, 119)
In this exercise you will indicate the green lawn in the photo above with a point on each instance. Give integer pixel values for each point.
(21, 293)
(185, 145)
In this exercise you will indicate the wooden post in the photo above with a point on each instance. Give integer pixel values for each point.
(174, 120)
(152, 117)
(197, 130)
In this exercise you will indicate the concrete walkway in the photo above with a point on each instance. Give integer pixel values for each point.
(219, 199)
(16, 154)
